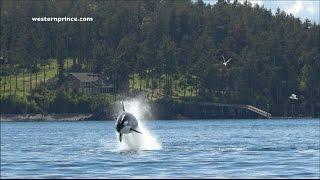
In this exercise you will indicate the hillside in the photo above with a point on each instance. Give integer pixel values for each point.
(174, 49)
(20, 78)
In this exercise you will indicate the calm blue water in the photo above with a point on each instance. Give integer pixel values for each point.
(197, 148)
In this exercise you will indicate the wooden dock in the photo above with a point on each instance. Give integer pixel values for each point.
(207, 110)
(258, 111)
(232, 111)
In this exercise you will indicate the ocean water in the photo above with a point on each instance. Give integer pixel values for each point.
(167, 149)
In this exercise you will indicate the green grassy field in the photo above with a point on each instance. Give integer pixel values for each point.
(159, 92)
(51, 71)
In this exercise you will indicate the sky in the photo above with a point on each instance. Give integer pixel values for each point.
(299, 8)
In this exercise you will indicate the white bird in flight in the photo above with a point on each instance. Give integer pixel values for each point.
(293, 96)
(225, 62)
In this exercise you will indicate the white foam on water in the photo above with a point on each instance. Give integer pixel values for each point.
(135, 141)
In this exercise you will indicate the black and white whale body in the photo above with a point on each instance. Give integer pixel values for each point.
(126, 123)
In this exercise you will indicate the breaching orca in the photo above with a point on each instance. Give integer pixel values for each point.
(126, 123)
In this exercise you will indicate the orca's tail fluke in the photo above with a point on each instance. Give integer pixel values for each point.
(135, 130)
(120, 137)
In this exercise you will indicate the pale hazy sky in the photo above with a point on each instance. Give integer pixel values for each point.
(299, 8)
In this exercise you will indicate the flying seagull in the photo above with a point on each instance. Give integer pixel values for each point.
(293, 96)
(224, 61)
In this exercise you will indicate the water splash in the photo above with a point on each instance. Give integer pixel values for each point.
(134, 141)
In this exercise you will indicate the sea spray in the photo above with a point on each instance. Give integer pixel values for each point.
(134, 141)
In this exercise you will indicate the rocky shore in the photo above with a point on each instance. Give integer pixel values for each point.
(45, 117)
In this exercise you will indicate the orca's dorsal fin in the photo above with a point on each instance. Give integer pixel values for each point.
(123, 107)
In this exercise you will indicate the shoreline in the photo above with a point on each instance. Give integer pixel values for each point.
(45, 117)
(90, 117)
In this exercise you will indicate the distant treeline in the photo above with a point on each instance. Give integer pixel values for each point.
(181, 42)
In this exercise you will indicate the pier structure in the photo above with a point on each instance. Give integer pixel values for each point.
(219, 110)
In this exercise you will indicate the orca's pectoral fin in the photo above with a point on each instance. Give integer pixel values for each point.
(135, 130)
(120, 137)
